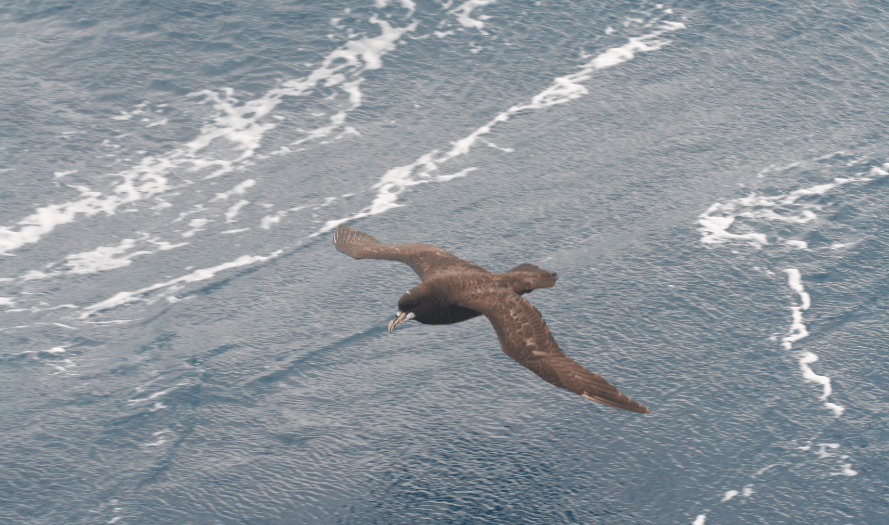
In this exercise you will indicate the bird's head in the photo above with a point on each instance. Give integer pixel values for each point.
(410, 306)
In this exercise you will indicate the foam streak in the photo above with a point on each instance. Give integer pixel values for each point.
(755, 208)
(464, 13)
(175, 284)
(798, 331)
(562, 90)
(239, 124)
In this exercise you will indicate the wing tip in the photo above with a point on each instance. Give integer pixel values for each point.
(349, 240)
(629, 405)
(338, 233)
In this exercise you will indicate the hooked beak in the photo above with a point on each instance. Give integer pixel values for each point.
(399, 318)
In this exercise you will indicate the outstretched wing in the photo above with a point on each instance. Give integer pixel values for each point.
(424, 259)
(525, 337)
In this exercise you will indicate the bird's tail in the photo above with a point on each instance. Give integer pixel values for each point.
(529, 277)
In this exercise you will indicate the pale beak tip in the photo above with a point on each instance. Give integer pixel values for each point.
(395, 322)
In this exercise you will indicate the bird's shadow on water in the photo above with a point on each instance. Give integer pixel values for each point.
(295, 364)
(218, 284)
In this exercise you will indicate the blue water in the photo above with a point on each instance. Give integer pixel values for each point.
(181, 343)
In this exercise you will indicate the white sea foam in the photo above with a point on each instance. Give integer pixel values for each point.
(797, 329)
(239, 189)
(327, 202)
(62, 369)
(174, 285)
(745, 492)
(846, 471)
(151, 397)
(242, 125)
(197, 209)
(762, 470)
(729, 495)
(337, 119)
(495, 146)
(794, 280)
(822, 449)
(562, 90)
(791, 208)
(37, 309)
(797, 332)
(714, 228)
(127, 115)
(269, 220)
(407, 4)
(233, 211)
(749, 217)
(700, 520)
(464, 13)
(830, 450)
(809, 375)
(461, 173)
(196, 225)
(103, 258)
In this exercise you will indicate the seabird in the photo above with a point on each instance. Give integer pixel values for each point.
(453, 290)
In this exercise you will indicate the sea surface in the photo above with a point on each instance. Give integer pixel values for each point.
(181, 343)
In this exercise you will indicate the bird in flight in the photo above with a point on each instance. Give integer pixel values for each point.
(453, 290)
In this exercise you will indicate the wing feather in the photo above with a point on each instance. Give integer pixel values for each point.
(525, 337)
(428, 261)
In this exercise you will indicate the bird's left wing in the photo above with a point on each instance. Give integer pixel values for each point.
(428, 261)
(525, 337)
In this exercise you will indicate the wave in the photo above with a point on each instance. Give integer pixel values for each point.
(779, 225)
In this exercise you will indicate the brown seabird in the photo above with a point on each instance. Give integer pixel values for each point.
(454, 290)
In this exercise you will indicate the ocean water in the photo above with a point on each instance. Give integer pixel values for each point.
(181, 343)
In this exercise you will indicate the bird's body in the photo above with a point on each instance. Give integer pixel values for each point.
(444, 293)
(453, 290)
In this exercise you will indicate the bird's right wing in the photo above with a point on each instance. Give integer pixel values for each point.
(424, 259)
(525, 337)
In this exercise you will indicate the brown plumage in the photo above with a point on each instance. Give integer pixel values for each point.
(454, 290)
